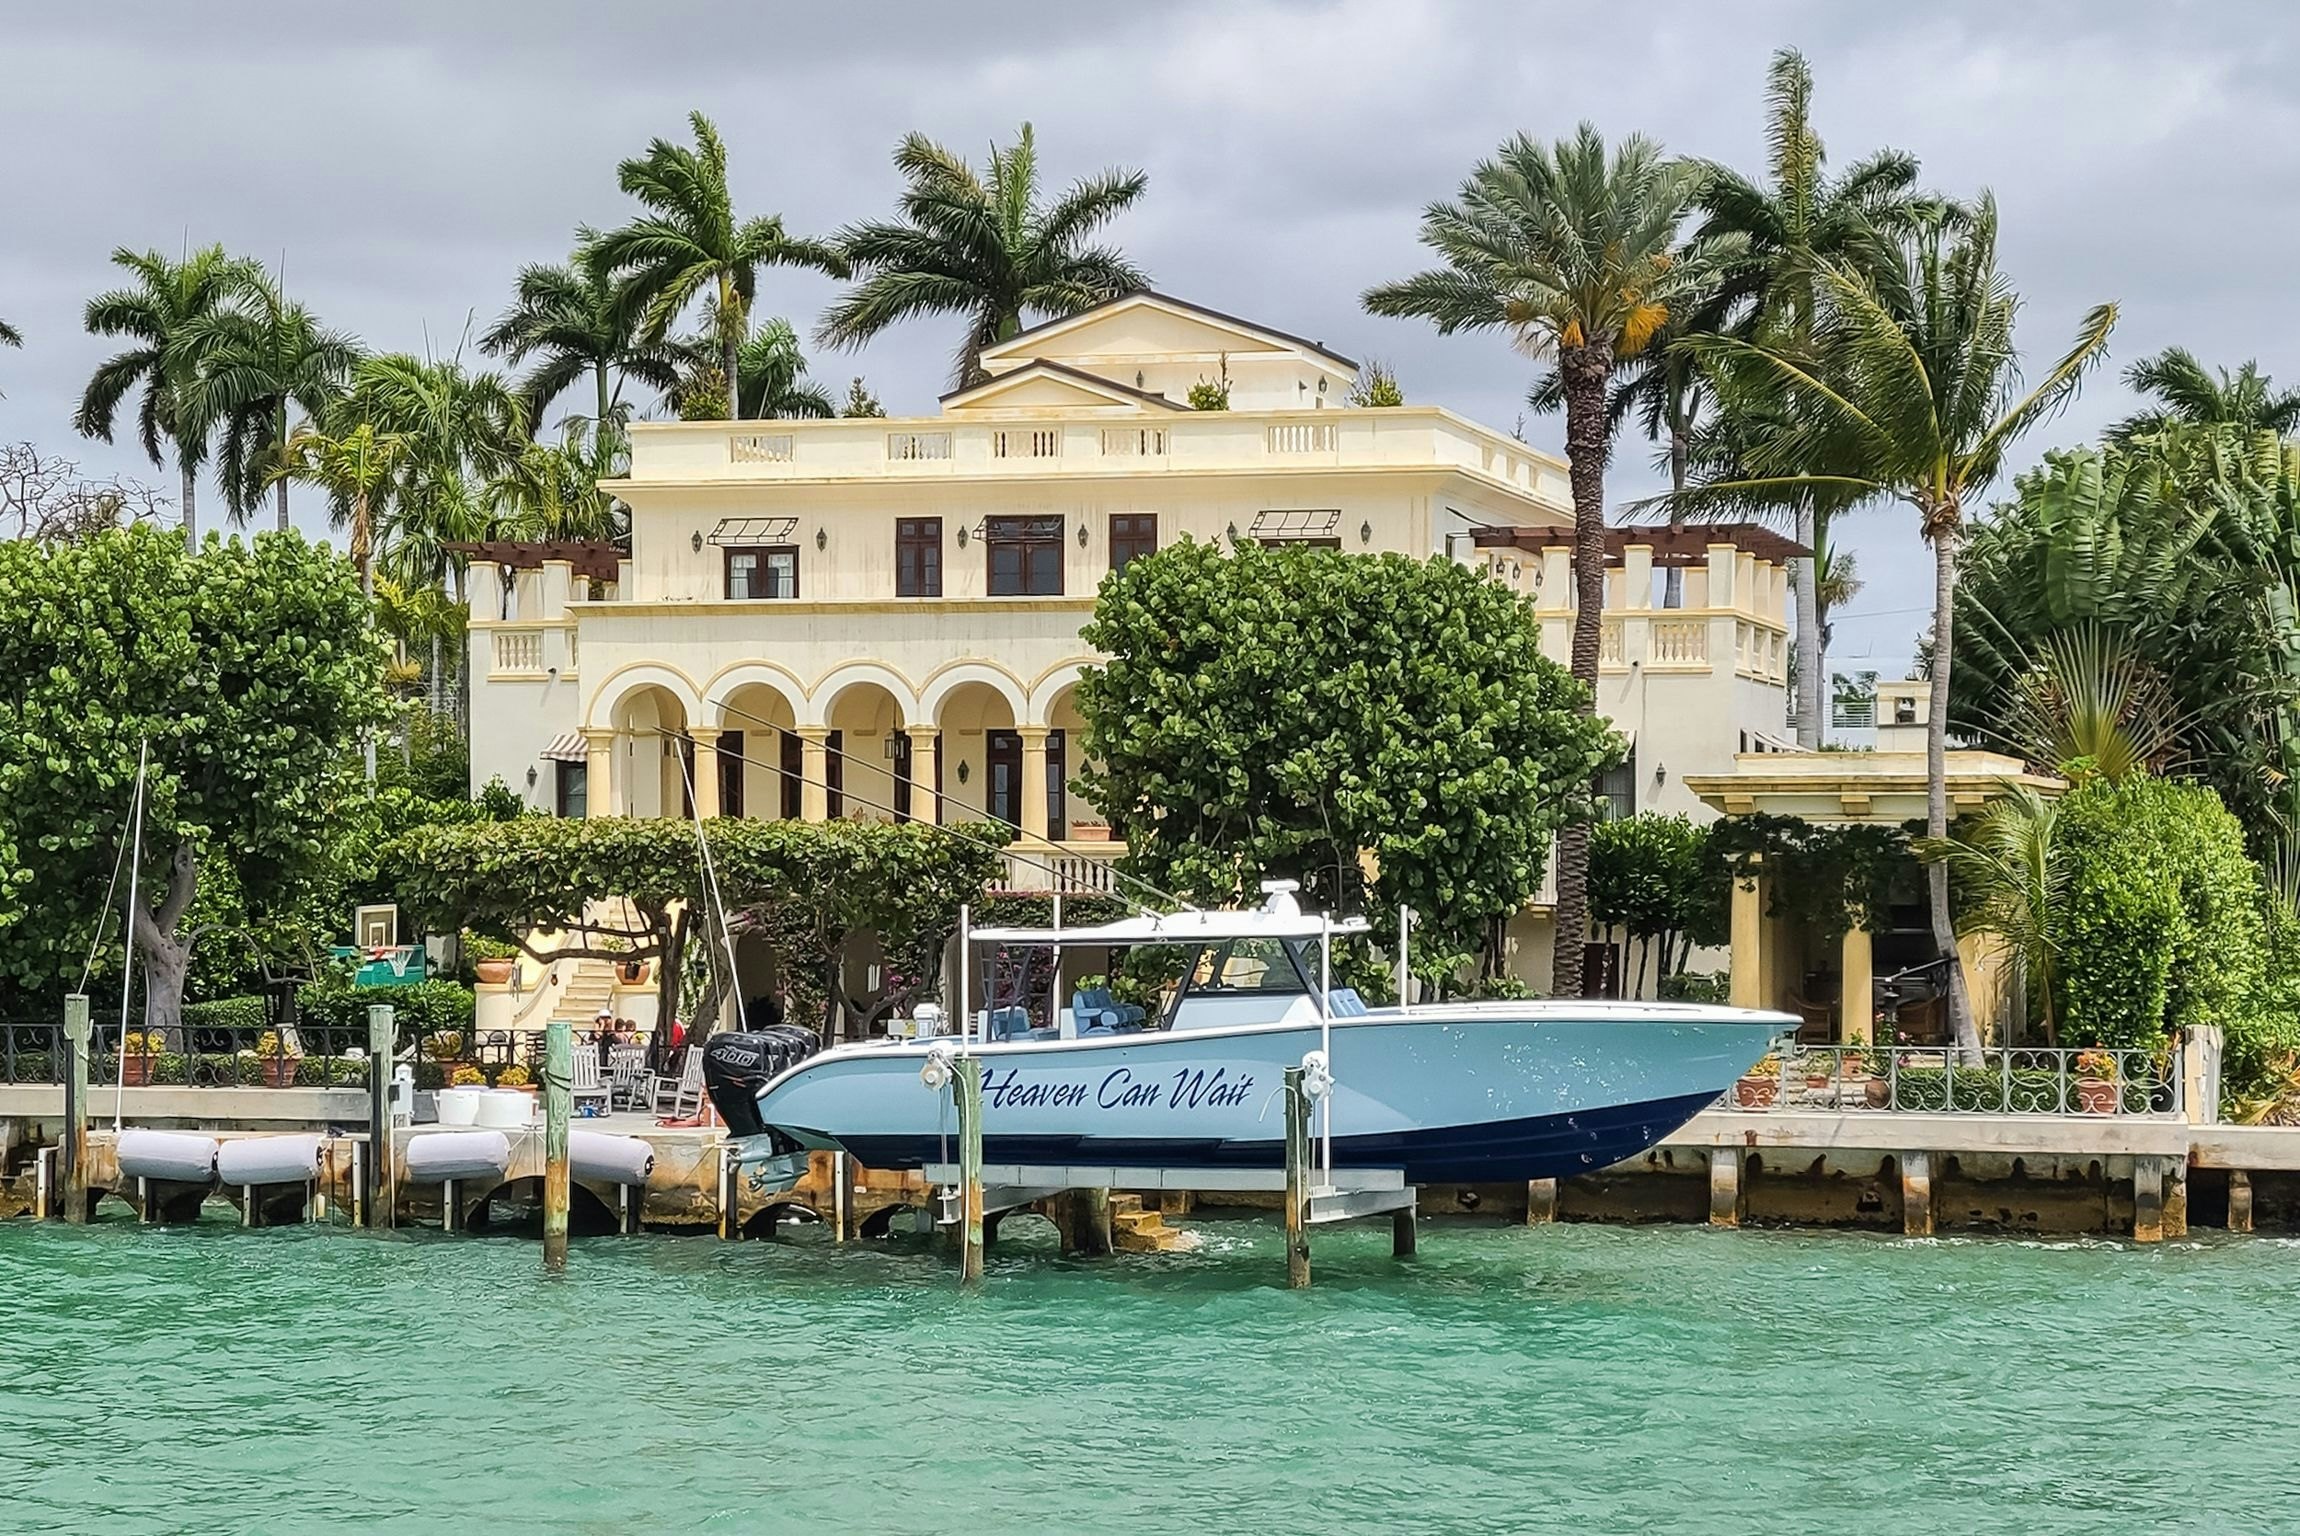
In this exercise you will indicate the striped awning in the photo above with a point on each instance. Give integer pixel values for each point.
(566, 747)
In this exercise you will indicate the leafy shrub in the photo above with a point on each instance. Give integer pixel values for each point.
(331, 1072)
(514, 1076)
(2161, 927)
(1696, 987)
(235, 1014)
(339, 1013)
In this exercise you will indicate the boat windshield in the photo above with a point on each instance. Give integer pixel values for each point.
(1247, 968)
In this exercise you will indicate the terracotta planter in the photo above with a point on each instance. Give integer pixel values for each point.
(2095, 1096)
(1089, 832)
(1756, 1092)
(136, 1071)
(633, 972)
(494, 973)
(279, 1071)
(1877, 1093)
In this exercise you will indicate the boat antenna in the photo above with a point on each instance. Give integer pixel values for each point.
(128, 938)
(1170, 900)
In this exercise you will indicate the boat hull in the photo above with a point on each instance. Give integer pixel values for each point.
(1463, 1096)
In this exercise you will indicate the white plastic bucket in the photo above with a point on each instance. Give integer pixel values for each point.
(459, 1106)
(506, 1109)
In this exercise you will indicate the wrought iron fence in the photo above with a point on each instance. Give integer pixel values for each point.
(195, 1056)
(31, 1052)
(2017, 1080)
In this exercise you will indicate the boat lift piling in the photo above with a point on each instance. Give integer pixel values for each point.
(967, 1091)
(558, 1106)
(75, 1142)
(382, 1192)
(1297, 1181)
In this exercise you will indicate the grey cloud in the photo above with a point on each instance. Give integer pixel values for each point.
(404, 161)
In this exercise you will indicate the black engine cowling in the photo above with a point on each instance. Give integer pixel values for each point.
(738, 1064)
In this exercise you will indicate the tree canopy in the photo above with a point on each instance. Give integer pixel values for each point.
(1274, 713)
(249, 670)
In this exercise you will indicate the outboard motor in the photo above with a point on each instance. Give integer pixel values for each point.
(738, 1064)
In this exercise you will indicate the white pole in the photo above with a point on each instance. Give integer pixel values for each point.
(1405, 974)
(128, 952)
(965, 976)
(1326, 1029)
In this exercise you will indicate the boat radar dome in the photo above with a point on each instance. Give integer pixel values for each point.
(1281, 894)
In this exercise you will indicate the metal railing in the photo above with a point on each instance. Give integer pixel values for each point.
(2017, 1080)
(195, 1056)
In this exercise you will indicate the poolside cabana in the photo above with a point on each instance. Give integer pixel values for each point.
(1779, 962)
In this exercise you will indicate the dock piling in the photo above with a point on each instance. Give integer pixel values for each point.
(2148, 1200)
(1297, 1181)
(73, 1151)
(382, 1185)
(1725, 1187)
(1540, 1202)
(1404, 1239)
(2239, 1200)
(558, 1107)
(1917, 1195)
(968, 1092)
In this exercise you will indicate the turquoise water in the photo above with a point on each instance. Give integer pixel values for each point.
(1566, 1378)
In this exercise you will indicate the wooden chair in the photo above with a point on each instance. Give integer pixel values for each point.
(626, 1071)
(590, 1082)
(685, 1091)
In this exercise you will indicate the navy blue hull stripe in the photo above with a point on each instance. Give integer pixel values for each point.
(1501, 1151)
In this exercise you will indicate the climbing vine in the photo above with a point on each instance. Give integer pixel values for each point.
(1829, 878)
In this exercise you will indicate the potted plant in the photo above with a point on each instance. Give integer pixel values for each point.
(1090, 832)
(493, 961)
(515, 1076)
(1761, 1084)
(137, 1050)
(466, 1075)
(278, 1062)
(444, 1046)
(2096, 1082)
(629, 970)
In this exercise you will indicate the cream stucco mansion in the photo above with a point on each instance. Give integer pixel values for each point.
(880, 616)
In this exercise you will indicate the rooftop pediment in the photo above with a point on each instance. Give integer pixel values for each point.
(1151, 327)
(1042, 384)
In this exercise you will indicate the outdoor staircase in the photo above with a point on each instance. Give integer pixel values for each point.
(590, 987)
(1134, 1229)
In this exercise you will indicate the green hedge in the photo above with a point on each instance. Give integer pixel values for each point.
(233, 1013)
(427, 1008)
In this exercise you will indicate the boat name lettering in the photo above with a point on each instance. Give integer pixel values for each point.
(1192, 1088)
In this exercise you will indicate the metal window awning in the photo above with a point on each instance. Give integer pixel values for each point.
(754, 530)
(1318, 523)
(566, 747)
(1012, 529)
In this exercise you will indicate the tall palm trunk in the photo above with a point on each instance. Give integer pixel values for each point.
(361, 537)
(599, 422)
(280, 486)
(1680, 466)
(1944, 533)
(191, 479)
(1802, 572)
(1584, 370)
(732, 320)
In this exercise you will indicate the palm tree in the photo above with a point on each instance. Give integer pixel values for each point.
(1801, 218)
(691, 245)
(983, 247)
(2015, 880)
(552, 491)
(356, 468)
(10, 337)
(2189, 394)
(165, 310)
(260, 360)
(774, 378)
(567, 320)
(1907, 391)
(1573, 253)
(459, 429)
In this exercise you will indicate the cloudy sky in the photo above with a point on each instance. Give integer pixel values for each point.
(402, 162)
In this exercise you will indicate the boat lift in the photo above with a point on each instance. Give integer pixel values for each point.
(1315, 1193)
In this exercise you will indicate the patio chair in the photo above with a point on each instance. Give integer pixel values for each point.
(684, 1091)
(590, 1082)
(626, 1071)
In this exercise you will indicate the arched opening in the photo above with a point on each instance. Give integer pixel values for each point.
(867, 754)
(981, 759)
(652, 754)
(758, 742)
(515, 1209)
(1069, 816)
(783, 1219)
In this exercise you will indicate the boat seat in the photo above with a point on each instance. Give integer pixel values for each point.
(1098, 1012)
(1009, 1024)
(1344, 1003)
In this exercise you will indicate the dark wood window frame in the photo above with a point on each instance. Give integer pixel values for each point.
(760, 554)
(1035, 543)
(918, 557)
(1132, 535)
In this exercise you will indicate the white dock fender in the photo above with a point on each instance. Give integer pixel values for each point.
(292, 1159)
(612, 1159)
(437, 1156)
(178, 1156)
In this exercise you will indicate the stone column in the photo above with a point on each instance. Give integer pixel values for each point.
(1855, 1006)
(1724, 1186)
(1033, 787)
(706, 739)
(599, 773)
(925, 805)
(2148, 1200)
(814, 771)
(1748, 987)
(1540, 1202)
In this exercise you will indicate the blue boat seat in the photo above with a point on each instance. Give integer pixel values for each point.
(1098, 1013)
(1344, 1003)
(1009, 1024)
